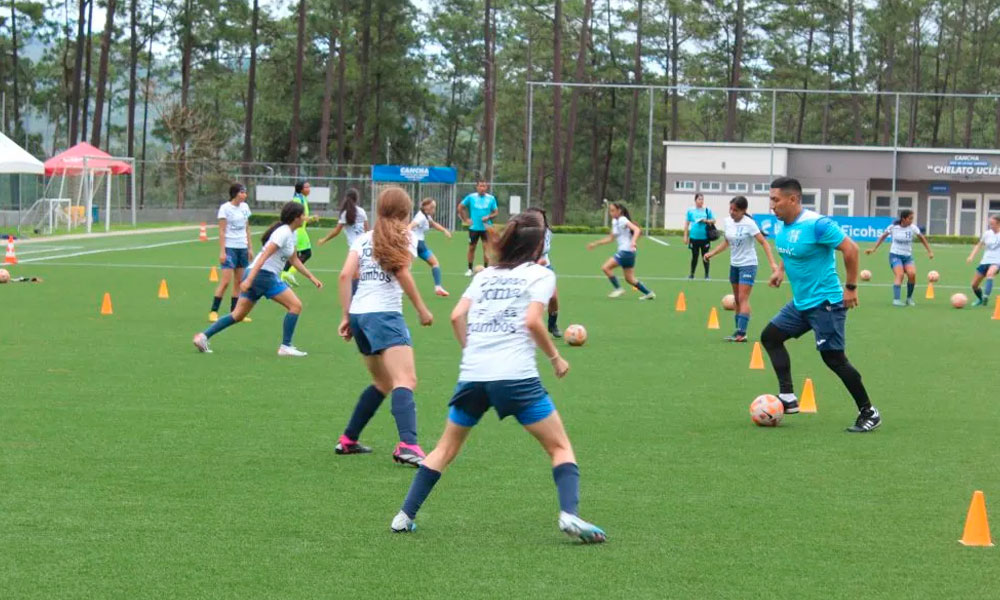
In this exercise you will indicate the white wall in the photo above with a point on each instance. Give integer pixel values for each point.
(676, 205)
(725, 160)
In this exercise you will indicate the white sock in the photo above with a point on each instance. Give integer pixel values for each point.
(787, 397)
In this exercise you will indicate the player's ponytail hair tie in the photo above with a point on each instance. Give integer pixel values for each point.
(391, 238)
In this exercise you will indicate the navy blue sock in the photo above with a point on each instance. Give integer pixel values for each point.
(423, 483)
(989, 287)
(978, 292)
(553, 317)
(742, 323)
(614, 281)
(404, 410)
(642, 288)
(364, 410)
(232, 303)
(896, 289)
(219, 325)
(216, 301)
(436, 273)
(909, 290)
(288, 328)
(354, 286)
(567, 476)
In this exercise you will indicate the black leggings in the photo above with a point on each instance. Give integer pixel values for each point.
(697, 246)
(303, 256)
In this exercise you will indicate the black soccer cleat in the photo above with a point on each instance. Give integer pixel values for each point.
(555, 332)
(791, 406)
(867, 420)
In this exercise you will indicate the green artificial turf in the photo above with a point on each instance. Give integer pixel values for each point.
(133, 467)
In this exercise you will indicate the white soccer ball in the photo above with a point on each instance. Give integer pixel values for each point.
(575, 335)
(4, 276)
(766, 410)
(933, 276)
(866, 275)
(729, 302)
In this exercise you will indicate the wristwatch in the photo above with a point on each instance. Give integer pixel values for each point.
(850, 286)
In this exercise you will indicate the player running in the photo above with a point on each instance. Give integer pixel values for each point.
(902, 233)
(989, 265)
(422, 221)
(626, 234)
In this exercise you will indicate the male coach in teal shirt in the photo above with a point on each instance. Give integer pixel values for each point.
(477, 211)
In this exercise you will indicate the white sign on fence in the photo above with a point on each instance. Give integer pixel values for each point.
(515, 205)
(284, 193)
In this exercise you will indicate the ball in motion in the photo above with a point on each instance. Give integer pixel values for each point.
(866, 275)
(478, 269)
(766, 410)
(959, 300)
(575, 335)
(729, 302)
(933, 276)
(4, 276)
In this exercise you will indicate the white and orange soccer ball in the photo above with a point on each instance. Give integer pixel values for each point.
(766, 410)
(933, 276)
(866, 275)
(575, 335)
(4, 276)
(729, 302)
(959, 300)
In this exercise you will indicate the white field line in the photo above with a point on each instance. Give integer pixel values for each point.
(46, 249)
(105, 234)
(660, 242)
(103, 250)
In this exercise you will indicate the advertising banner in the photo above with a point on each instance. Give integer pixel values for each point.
(413, 174)
(859, 229)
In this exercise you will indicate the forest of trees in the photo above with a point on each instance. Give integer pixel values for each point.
(336, 85)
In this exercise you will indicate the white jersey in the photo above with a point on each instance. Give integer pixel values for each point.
(741, 236)
(423, 224)
(236, 223)
(991, 242)
(378, 291)
(353, 232)
(547, 246)
(498, 345)
(902, 238)
(284, 238)
(623, 235)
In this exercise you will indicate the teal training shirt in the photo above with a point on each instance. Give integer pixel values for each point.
(698, 231)
(478, 207)
(807, 249)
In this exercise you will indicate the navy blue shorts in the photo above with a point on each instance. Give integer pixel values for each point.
(266, 284)
(899, 260)
(475, 236)
(236, 258)
(423, 252)
(625, 259)
(742, 275)
(983, 268)
(374, 332)
(827, 321)
(526, 399)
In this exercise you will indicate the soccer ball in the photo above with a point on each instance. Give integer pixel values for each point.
(4, 276)
(866, 275)
(575, 335)
(729, 302)
(959, 300)
(478, 269)
(933, 276)
(766, 410)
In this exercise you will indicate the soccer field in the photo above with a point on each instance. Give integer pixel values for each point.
(135, 467)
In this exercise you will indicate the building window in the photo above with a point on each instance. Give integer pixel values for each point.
(841, 203)
(711, 186)
(882, 206)
(762, 188)
(810, 199)
(684, 186)
(968, 215)
(736, 187)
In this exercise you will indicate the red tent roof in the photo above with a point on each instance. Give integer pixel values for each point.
(71, 161)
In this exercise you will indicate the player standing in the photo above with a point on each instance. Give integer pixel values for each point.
(990, 263)
(477, 211)
(235, 248)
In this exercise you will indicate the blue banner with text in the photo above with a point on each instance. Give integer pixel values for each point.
(413, 174)
(859, 229)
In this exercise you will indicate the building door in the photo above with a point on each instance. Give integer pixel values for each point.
(968, 219)
(938, 213)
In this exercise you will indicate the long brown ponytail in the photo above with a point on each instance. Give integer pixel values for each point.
(391, 238)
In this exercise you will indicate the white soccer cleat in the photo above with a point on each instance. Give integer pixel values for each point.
(615, 293)
(468, 272)
(284, 350)
(575, 527)
(402, 523)
(649, 296)
(201, 343)
(440, 291)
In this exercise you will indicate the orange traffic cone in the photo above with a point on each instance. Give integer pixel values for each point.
(164, 294)
(106, 304)
(213, 275)
(996, 310)
(977, 529)
(930, 291)
(713, 319)
(681, 305)
(203, 233)
(757, 358)
(10, 258)
(807, 403)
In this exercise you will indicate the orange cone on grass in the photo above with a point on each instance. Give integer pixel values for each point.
(713, 319)
(996, 311)
(164, 293)
(106, 304)
(681, 305)
(213, 275)
(203, 233)
(757, 357)
(929, 295)
(977, 528)
(10, 258)
(807, 403)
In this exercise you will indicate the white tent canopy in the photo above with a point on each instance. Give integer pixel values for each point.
(15, 159)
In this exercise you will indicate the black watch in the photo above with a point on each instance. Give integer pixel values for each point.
(850, 286)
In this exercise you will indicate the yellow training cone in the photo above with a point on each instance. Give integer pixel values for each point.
(757, 358)
(713, 319)
(930, 291)
(977, 529)
(807, 403)
(106, 304)
(681, 305)
(163, 289)
(996, 311)
(213, 275)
